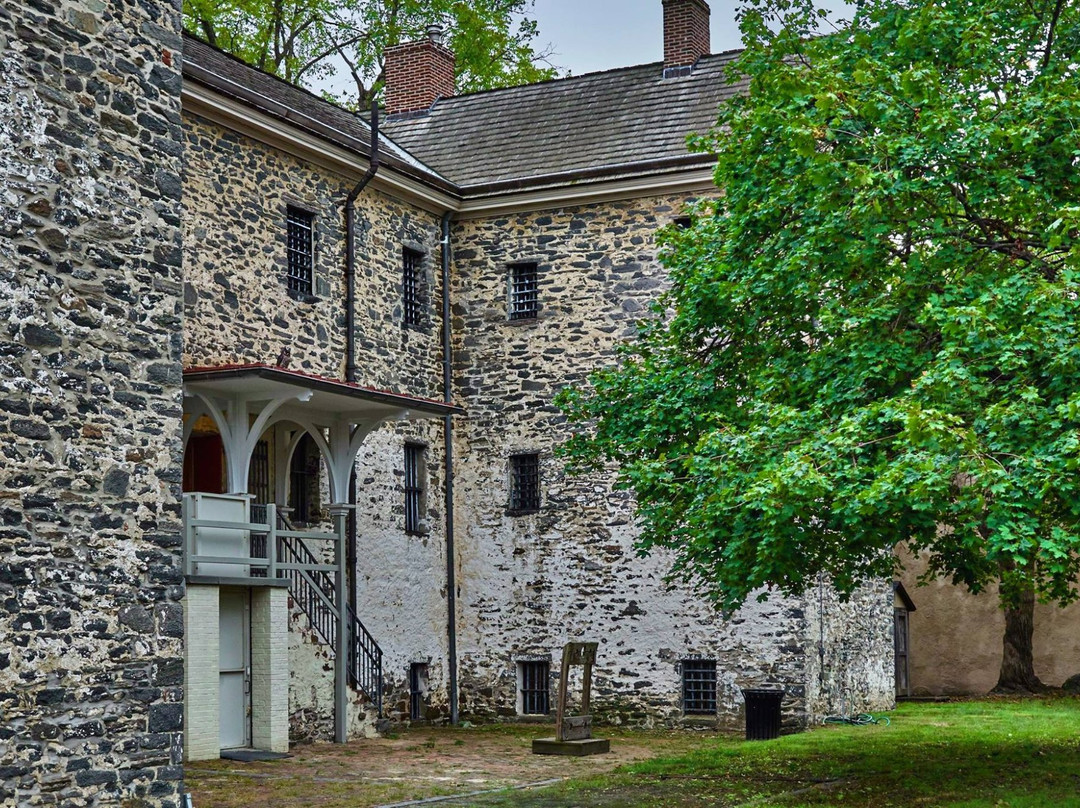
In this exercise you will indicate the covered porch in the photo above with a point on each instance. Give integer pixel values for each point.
(269, 454)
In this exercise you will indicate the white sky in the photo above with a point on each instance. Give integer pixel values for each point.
(588, 35)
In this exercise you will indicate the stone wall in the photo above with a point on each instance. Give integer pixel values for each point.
(238, 309)
(91, 663)
(530, 583)
(401, 577)
(849, 651)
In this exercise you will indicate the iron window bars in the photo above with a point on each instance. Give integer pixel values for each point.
(300, 249)
(414, 487)
(699, 686)
(412, 287)
(525, 483)
(524, 291)
(417, 678)
(535, 688)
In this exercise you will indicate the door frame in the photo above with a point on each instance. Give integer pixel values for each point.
(239, 593)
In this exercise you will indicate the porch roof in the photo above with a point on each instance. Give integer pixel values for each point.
(330, 396)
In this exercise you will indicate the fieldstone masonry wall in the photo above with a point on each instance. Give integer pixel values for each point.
(238, 309)
(91, 664)
(531, 583)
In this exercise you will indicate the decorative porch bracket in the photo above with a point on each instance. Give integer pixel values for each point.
(239, 434)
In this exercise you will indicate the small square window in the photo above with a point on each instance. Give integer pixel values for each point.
(683, 223)
(525, 483)
(524, 292)
(415, 467)
(412, 287)
(699, 686)
(533, 688)
(300, 249)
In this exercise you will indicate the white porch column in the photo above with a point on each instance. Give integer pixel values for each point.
(344, 630)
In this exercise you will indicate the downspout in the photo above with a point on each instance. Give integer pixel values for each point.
(350, 248)
(350, 376)
(448, 449)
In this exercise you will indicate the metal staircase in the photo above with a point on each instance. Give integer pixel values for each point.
(315, 592)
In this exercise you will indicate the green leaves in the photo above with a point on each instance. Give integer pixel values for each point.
(308, 41)
(875, 329)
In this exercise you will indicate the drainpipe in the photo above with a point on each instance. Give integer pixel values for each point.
(350, 376)
(350, 248)
(448, 436)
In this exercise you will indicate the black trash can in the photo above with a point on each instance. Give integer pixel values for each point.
(763, 714)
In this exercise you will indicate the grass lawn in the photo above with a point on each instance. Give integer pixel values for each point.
(978, 754)
(975, 754)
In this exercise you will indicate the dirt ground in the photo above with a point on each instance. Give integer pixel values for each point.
(417, 764)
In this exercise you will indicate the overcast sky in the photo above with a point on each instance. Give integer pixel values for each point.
(589, 35)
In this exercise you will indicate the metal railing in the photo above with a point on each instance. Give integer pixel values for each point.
(276, 550)
(315, 594)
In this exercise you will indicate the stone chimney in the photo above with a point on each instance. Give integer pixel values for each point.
(686, 34)
(418, 73)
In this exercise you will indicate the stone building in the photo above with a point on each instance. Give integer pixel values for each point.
(223, 295)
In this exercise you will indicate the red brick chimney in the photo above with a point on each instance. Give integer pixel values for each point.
(418, 73)
(686, 34)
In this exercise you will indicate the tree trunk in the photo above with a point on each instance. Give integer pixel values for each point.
(1017, 660)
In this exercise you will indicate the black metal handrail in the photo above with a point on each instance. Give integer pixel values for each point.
(314, 591)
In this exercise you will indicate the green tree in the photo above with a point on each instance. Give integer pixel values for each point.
(873, 333)
(308, 41)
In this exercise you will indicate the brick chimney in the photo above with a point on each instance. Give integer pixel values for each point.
(418, 73)
(686, 34)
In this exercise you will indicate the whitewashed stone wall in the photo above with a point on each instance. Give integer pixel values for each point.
(239, 311)
(528, 584)
(91, 666)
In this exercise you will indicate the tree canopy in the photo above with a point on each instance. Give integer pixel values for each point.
(308, 41)
(873, 332)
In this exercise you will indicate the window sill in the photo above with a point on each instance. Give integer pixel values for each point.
(302, 297)
(516, 321)
(419, 328)
(519, 512)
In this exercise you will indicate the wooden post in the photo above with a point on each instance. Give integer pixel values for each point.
(573, 733)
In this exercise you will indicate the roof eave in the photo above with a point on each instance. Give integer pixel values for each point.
(288, 115)
(320, 384)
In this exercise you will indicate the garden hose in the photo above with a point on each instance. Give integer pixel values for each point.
(860, 720)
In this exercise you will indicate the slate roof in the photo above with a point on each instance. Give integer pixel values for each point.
(613, 123)
(231, 76)
(580, 124)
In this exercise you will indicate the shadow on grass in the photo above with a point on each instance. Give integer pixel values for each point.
(1016, 753)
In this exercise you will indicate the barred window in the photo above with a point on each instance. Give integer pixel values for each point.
(533, 679)
(300, 249)
(699, 686)
(412, 287)
(418, 676)
(414, 488)
(524, 292)
(525, 483)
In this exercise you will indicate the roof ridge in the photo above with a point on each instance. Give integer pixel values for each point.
(560, 79)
